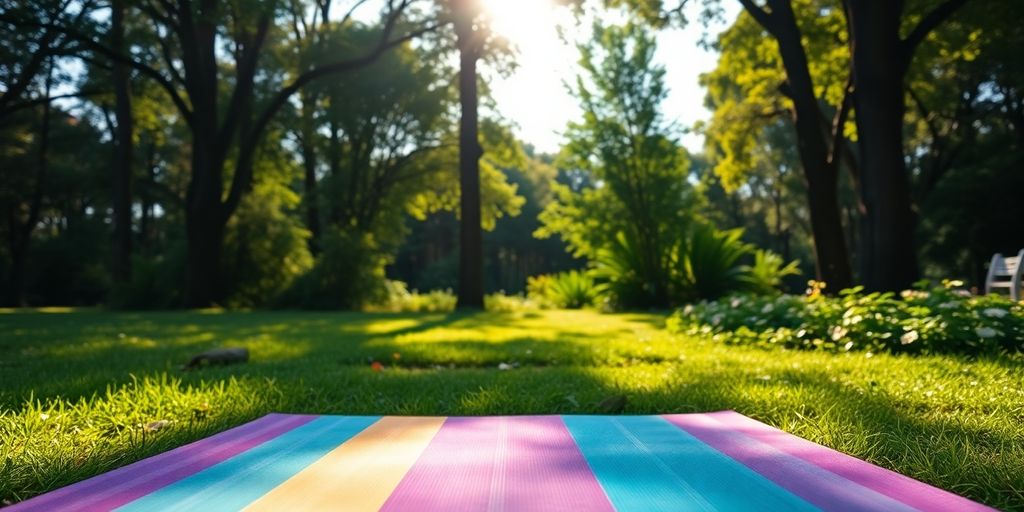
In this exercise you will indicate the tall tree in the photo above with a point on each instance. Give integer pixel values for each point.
(23, 212)
(818, 150)
(124, 149)
(191, 37)
(881, 57)
(640, 200)
(471, 253)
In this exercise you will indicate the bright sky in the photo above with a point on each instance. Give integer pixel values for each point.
(535, 98)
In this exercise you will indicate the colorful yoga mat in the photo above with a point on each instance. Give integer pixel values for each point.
(676, 462)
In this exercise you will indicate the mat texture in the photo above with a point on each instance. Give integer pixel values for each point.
(676, 462)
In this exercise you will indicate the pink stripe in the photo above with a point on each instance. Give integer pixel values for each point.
(500, 463)
(889, 483)
(115, 488)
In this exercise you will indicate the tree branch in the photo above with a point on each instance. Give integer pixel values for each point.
(245, 71)
(927, 24)
(92, 45)
(761, 16)
(39, 101)
(243, 173)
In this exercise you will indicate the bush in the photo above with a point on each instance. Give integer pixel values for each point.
(155, 284)
(401, 300)
(940, 319)
(567, 290)
(708, 262)
(765, 275)
(509, 303)
(348, 274)
(705, 263)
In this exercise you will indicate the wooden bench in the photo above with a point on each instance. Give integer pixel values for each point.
(1005, 274)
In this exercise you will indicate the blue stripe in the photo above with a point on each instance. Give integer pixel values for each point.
(644, 463)
(242, 479)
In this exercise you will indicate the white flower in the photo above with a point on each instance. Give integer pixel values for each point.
(995, 312)
(948, 305)
(717, 319)
(767, 308)
(736, 302)
(985, 332)
(838, 333)
(909, 338)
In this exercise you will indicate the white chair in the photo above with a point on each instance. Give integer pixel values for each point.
(1005, 274)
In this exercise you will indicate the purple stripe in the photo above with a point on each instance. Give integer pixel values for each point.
(500, 463)
(115, 488)
(821, 488)
(902, 488)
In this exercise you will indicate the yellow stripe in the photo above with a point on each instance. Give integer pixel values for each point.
(358, 475)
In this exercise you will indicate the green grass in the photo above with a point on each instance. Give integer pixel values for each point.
(77, 390)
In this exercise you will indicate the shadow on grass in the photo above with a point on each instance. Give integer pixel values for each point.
(568, 372)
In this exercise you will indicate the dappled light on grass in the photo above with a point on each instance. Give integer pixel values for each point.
(77, 398)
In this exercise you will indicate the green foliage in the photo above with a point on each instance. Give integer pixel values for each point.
(348, 274)
(765, 275)
(505, 303)
(941, 319)
(631, 280)
(628, 217)
(155, 284)
(566, 290)
(401, 300)
(265, 246)
(707, 263)
(743, 90)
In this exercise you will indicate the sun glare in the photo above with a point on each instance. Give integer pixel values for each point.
(520, 21)
(534, 96)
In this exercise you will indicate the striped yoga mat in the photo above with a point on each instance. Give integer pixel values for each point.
(714, 461)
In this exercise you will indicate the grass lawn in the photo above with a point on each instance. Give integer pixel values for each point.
(78, 390)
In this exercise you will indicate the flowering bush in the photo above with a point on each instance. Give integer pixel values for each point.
(937, 319)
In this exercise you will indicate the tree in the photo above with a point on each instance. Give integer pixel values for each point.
(639, 195)
(124, 144)
(881, 57)
(23, 211)
(818, 150)
(470, 42)
(191, 73)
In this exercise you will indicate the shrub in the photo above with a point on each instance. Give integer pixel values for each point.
(537, 290)
(923, 320)
(766, 274)
(633, 278)
(401, 300)
(707, 262)
(348, 274)
(574, 290)
(509, 303)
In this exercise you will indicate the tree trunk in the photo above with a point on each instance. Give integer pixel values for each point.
(122, 195)
(204, 220)
(21, 232)
(889, 258)
(471, 267)
(309, 162)
(832, 261)
(146, 218)
(203, 277)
